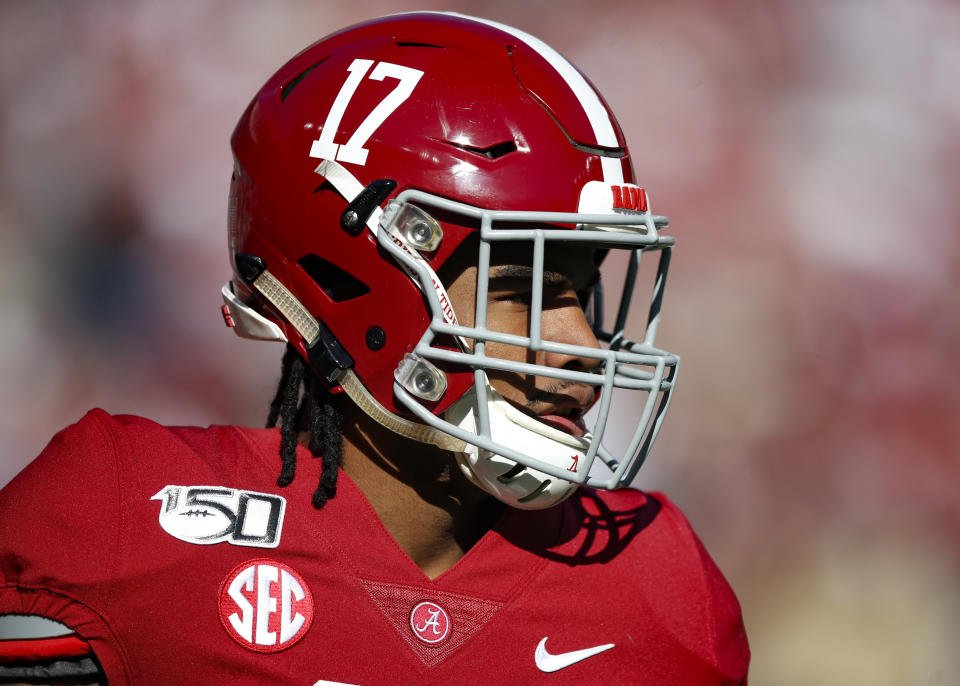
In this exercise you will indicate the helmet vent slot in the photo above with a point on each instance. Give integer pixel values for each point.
(511, 474)
(414, 44)
(288, 87)
(336, 283)
(492, 152)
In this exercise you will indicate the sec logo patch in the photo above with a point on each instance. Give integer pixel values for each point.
(430, 622)
(265, 605)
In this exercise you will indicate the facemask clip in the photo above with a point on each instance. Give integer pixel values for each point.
(421, 377)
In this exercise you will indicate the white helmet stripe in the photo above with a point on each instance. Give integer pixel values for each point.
(612, 170)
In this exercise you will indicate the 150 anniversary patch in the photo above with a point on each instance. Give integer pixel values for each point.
(212, 514)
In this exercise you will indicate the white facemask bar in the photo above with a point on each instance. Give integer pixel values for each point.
(637, 231)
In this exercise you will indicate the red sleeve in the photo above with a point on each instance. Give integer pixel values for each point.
(716, 602)
(60, 534)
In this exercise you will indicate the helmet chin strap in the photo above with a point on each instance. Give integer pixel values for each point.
(421, 433)
(516, 485)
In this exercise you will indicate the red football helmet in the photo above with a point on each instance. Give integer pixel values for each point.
(365, 162)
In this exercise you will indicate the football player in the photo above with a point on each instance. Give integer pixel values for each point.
(419, 209)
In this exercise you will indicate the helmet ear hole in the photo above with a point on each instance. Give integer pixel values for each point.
(339, 285)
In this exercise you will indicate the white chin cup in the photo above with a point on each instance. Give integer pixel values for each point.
(524, 488)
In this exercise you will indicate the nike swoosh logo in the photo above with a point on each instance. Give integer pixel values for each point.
(551, 663)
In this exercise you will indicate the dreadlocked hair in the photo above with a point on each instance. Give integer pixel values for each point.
(299, 392)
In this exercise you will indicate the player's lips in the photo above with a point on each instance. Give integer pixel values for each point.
(567, 414)
(571, 421)
(563, 409)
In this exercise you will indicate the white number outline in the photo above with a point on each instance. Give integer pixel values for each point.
(353, 151)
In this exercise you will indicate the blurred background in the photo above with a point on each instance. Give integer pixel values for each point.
(804, 152)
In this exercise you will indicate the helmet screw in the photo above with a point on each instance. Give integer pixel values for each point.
(421, 233)
(350, 219)
(424, 382)
(376, 338)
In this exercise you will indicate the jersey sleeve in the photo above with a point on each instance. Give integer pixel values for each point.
(713, 605)
(60, 534)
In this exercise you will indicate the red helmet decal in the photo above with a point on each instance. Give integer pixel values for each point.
(265, 605)
(629, 198)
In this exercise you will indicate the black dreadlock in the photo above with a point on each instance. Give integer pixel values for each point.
(326, 415)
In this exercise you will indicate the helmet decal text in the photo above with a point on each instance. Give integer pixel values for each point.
(629, 198)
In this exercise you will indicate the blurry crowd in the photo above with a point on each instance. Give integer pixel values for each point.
(804, 153)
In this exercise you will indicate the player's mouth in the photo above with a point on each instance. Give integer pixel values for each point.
(566, 419)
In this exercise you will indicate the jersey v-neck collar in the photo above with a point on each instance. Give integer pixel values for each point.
(350, 526)
(365, 545)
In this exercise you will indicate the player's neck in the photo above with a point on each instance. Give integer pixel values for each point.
(423, 500)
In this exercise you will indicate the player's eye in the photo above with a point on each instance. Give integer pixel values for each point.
(519, 297)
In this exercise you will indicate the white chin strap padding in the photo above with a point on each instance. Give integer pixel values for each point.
(514, 484)
(246, 322)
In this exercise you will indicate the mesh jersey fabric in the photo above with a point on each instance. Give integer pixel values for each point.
(82, 542)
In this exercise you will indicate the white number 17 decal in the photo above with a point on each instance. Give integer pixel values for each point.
(353, 150)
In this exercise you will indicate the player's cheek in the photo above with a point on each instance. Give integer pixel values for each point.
(516, 388)
(514, 320)
(509, 317)
(513, 353)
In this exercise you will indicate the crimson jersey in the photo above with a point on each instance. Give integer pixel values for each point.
(173, 552)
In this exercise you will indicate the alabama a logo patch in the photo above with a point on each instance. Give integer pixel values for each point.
(211, 514)
(265, 605)
(430, 622)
